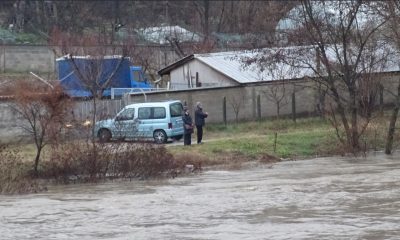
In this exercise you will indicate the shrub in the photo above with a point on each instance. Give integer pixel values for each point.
(15, 175)
(90, 162)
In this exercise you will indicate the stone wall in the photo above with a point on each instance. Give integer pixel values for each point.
(42, 59)
(253, 101)
(27, 58)
(238, 99)
(10, 124)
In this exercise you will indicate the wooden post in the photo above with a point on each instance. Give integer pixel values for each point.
(259, 107)
(381, 103)
(254, 102)
(224, 110)
(294, 106)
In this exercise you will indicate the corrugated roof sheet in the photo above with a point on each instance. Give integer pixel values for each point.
(233, 65)
(289, 63)
(286, 63)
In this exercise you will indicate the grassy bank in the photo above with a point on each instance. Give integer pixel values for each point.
(305, 138)
(285, 139)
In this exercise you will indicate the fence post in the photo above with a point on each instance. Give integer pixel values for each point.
(4, 60)
(254, 102)
(224, 110)
(258, 107)
(294, 106)
(381, 102)
(275, 140)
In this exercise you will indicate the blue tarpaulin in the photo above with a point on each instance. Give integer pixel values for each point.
(90, 68)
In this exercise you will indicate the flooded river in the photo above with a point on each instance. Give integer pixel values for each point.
(326, 198)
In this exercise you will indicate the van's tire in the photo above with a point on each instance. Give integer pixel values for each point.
(104, 135)
(160, 136)
(178, 137)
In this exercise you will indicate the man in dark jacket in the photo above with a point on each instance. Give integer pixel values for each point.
(200, 122)
(187, 127)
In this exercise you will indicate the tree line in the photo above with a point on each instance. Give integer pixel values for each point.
(107, 17)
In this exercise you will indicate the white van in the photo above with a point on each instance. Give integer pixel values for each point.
(158, 120)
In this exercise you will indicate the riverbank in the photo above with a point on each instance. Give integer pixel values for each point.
(273, 140)
(230, 146)
(276, 139)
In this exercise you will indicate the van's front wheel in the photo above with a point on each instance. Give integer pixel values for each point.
(104, 135)
(160, 136)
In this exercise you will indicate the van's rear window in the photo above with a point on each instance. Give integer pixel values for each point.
(176, 109)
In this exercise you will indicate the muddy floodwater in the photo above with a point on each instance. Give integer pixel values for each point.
(326, 198)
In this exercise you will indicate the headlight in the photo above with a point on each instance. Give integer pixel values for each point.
(87, 123)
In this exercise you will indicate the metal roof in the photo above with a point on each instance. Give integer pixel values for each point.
(230, 65)
(287, 63)
(240, 66)
(233, 65)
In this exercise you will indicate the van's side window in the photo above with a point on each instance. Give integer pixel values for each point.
(151, 113)
(144, 113)
(127, 114)
(159, 112)
(176, 109)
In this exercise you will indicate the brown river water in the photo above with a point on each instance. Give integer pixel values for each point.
(324, 198)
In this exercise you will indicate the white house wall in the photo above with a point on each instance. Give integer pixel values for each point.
(208, 77)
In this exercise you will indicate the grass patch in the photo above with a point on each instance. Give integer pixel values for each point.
(252, 140)
(301, 143)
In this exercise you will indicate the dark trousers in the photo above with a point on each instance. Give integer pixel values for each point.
(187, 139)
(199, 133)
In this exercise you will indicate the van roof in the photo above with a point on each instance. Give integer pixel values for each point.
(152, 104)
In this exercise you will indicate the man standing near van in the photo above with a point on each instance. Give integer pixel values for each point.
(199, 120)
(187, 127)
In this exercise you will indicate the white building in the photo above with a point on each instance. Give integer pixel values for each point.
(213, 70)
(235, 68)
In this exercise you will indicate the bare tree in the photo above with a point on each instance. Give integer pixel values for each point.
(277, 94)
(88, 62)
(203, 10)
(392, 13)
(45, 111)
(236, 102)
(341, 52)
